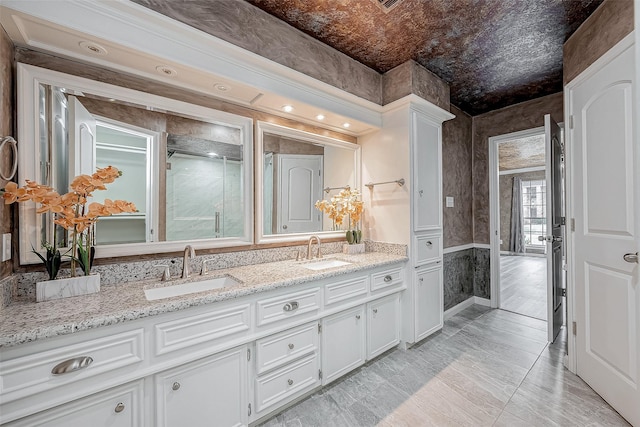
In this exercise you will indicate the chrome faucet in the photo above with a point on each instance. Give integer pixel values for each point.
(189, 252)
(309, 252)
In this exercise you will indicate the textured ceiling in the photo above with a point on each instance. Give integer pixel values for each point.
(521, 153)
(493, 53)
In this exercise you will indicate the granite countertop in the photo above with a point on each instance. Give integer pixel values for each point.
(22, 322)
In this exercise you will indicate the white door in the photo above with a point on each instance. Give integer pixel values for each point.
(555, 245)
(605, 179)
(427, 164)
(211, 391)
(299, 187)
(122, 406)
(343, 343)
(383, 326)
(82, 139)
(428, 301)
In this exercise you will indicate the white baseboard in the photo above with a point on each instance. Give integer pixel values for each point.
(482, 301)
(459, 307)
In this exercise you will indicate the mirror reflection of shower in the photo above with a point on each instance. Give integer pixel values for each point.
(211, 172)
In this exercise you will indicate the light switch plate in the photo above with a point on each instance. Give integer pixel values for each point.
(449, 202)
(6, 247)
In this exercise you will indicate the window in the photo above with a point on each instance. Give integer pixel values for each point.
(534, 211)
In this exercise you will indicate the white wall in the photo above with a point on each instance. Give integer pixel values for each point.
(385, 157)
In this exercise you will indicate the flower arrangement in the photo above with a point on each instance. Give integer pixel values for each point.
(345, 204)
(71, 211)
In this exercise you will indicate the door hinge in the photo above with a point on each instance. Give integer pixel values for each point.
(248, 354)
(564, 292)
(319, 328)
(249, 412)
(571, 121)
(573, 224)
(574, 328)
(168, 166)
(319, 373)
(563, 220)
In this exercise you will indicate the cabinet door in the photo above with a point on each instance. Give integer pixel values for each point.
(343, 343)
(428, 301)
(383, 324)
(427, 173)
(117, 407)
(208, 392)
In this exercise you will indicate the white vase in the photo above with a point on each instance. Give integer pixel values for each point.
(68, 287)
(356, 248)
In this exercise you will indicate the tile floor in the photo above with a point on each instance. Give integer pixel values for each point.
(486, 368)
(523, 285)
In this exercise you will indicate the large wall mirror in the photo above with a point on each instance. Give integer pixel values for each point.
(188, 168)
(294, 170)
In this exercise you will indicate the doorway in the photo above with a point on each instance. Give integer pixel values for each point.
(522, 224)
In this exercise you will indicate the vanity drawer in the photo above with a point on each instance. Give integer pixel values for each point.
(386, 279)
(287, 306)
(284, 384)
(279, 349)
(24, 376)
(219, 325)
(427, 250)
(345, 290)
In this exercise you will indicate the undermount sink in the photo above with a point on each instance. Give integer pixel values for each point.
(190, 288)
(325, 263)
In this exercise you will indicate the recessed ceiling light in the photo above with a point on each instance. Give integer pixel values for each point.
(93, 48)
(346, 124)
(320, 117)
(221, 87)
(287, 108)
(166, 71)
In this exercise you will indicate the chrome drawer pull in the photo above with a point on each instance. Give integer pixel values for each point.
(119, 407)
(72, 365)
(175, 386)
(387, 278)
(429, 243)
(290, 382)
(291, 346)
(290, 306)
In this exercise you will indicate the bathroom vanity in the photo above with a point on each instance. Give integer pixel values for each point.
(229, 356)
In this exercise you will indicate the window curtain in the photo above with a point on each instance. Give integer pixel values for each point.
(516, 241)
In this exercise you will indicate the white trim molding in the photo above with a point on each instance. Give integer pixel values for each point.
(482, 301)
(459, 307)
(459, 248)
(522, 170)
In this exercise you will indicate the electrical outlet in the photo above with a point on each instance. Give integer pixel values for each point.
(6, 247)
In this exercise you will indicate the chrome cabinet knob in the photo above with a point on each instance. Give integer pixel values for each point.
(375, 310)
(632, 258)
(284, 227)
(387, 278)
(290, 381)
(119, 407)
(429, 243)
(175, 386)
(357, 317)
(290, 306)
(291, 346)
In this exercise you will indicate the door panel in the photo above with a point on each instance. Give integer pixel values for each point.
(555, 273)
(300, 186)
(604, 180)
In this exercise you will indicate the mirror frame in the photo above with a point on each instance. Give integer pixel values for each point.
(261, 128)
(29, 78)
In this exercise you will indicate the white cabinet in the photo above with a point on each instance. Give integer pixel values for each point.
(383, 326)
(343, 343)
(210, 391)
(428, 301)
(118, 407)
(427, 172)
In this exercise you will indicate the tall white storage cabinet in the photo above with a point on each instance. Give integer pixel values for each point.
(409, 146)
(426, 201)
